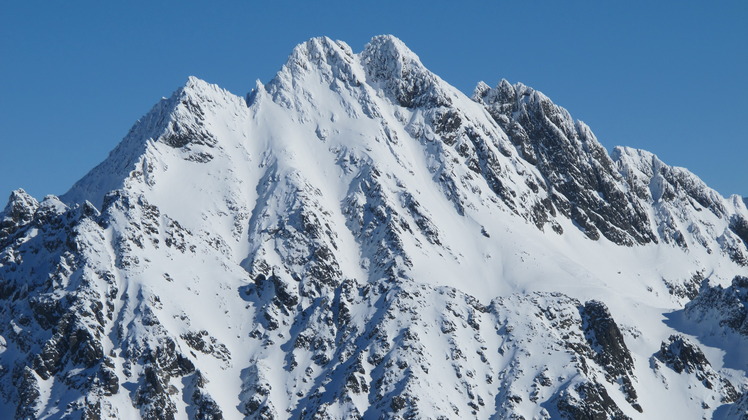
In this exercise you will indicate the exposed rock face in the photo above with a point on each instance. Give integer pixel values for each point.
(589, 402)
(358, 239)
(687, 213)
(400, 74)
(610, 350)
(728, 306)
(18, 212)
(739, 410)
(580, 178)
(682, 356)
(630, 197)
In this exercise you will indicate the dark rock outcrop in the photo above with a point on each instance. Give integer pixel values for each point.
(728, 306)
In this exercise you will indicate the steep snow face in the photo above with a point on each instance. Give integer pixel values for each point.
(190, 123)
(358, 239)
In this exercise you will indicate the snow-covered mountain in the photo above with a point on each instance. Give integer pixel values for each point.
(359, 239)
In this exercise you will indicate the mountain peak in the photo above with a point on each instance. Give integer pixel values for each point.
(358, 222)
(391, 49)
(317, 50)
(19, 210)
(503, 92)
(398, 71)
(194, 82)
(19, 198)
(197, 90)
(184, 121)
(480, 89)
(321, 59)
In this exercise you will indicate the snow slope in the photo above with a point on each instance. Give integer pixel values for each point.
(359, 239)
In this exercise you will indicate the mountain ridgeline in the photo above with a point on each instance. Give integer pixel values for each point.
(359, 239)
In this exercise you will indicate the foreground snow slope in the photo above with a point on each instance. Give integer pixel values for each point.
(357, 238)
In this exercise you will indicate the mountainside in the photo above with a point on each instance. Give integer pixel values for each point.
(359, 239)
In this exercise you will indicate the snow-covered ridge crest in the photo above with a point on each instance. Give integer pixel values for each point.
(385, 64)
(179, 121)
(641, 166)
(359, 239)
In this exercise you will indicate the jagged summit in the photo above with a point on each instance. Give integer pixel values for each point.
(385, 64)
(386, 57)
(19, 211)
(386, 51)
(392, 47)
(180, 121)
(20, 205)
(316, 51)
(399, 72)
(359, 239)
(195, 83)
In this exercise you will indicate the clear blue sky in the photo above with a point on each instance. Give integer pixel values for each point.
(669, 77)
